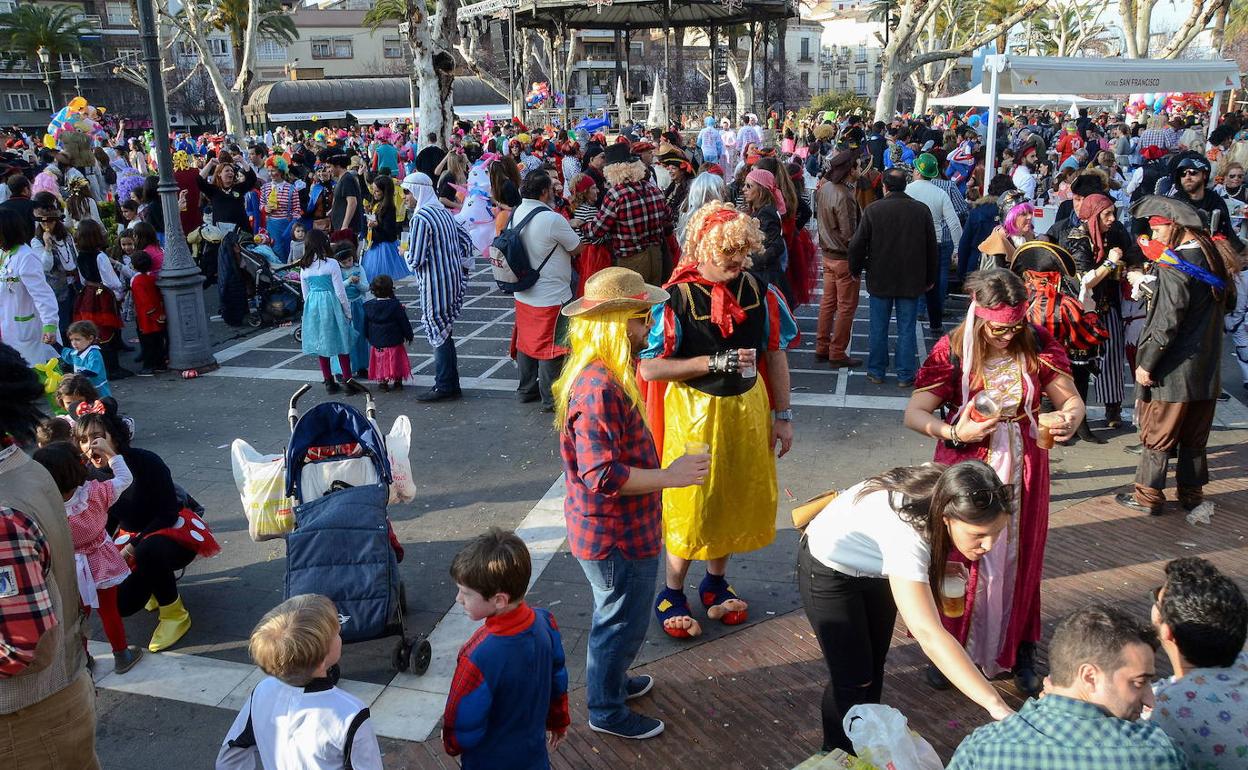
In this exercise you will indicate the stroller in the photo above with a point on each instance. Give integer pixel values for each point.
(277, 296)
(338, 473)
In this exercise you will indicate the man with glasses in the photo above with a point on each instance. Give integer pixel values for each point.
(1191, 185)
(1101, 666)
(1201, 618)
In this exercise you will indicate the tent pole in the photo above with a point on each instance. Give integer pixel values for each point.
(667, 59)
(994, 97)
(1214, 110)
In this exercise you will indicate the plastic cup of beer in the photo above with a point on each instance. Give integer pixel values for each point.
(697, 448)
(953, 592)
(1048, 421)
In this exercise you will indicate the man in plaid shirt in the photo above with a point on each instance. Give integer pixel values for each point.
(614, 502)
(1100, 680)
(633, 220)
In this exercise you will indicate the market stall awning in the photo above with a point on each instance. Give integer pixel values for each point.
(1052, 74)
(295, 101)
(977, 98)
(629, 14)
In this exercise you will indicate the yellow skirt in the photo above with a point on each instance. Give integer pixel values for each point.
(735, 510)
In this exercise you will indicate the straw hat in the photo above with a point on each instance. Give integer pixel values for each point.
(615, 288)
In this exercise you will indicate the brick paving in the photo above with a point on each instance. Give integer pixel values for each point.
(750, 699)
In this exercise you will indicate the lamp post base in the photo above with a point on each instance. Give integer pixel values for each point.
(183, 292)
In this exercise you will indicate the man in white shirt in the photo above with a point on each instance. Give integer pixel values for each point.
(550, 243)
(948, 230)
(1024, 176)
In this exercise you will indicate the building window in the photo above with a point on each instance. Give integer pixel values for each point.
(805, 49)
(271, 50)
(862, 52)
(116, 13)
(15, 64)
(220, 47)
(131, 56)
(392, 48)
(18, 102)
(805, 80)
(8, 6)
(844, 81)
(862, 82)
(332, 48)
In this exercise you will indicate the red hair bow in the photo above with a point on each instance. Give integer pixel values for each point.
(89, 407)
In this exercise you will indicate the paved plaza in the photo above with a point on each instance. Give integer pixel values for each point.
(746, 697)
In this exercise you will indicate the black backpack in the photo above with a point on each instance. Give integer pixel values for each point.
(509, 260)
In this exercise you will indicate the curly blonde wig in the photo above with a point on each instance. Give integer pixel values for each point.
(624, 173)
(721, 233)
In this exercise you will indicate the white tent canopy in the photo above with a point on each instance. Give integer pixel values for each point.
(1047, 74)
(977, 98)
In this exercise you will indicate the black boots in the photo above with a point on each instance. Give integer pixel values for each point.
(1028, 682)
(1085, 434)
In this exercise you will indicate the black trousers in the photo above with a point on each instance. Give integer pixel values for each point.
(154, 347)
(156, 560)
(853, 619)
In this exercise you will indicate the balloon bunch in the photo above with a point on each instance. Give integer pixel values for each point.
(1163, 103)
(539, 93)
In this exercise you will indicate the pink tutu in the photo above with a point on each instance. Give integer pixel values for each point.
(389, 363)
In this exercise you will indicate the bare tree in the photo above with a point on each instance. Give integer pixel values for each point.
(195, 99)
(1137, 19)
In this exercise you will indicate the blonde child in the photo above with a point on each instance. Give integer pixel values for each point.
(99, 566)
(297, 717)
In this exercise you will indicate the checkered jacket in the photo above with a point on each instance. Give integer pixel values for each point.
(633, 216)
(604, 436)
(25, 602)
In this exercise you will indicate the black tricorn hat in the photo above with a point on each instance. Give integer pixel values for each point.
(619, 153)
(1175, 210)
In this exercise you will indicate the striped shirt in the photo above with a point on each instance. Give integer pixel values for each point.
(440, 254)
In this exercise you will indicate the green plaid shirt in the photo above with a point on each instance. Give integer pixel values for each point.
(1059, 733)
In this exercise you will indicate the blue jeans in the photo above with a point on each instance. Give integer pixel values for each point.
(446, 367)
(877, 357)
(623, 591)
(934, 302)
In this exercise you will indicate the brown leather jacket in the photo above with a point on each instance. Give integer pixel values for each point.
(837, 213)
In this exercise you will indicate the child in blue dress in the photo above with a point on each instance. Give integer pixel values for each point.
(327, 330)
(382, 257)
(356, 282)
(83, 356)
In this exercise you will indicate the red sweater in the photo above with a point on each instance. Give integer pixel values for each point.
(149, 306)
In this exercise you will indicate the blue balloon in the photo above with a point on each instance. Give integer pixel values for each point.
(974, 120)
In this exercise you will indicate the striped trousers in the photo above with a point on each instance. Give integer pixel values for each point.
(1109, 385)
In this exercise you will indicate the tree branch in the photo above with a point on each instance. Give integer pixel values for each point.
(974, 41)
(1201, 14)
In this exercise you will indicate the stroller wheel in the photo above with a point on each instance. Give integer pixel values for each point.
(422, 653)
(299, 333)
(254, 319)
(399, 656)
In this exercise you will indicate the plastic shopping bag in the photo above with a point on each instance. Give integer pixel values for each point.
(398, 446)
(882, 738)
(261, 482)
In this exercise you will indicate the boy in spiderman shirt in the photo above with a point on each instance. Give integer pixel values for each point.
(510, 686)
(149, 315)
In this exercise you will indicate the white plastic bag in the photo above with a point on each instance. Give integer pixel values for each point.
(881, 736)
(398, 447)
(261, 482)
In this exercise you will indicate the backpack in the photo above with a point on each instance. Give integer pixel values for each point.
(509, 260)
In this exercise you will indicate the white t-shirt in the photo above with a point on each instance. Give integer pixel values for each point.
(867, 538)
(547, 230)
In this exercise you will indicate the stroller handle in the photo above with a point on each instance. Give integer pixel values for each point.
(293, 414)
(370, 408)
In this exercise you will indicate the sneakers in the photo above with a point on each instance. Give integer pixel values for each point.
(634, 727)
(638, 686)
(124, 660)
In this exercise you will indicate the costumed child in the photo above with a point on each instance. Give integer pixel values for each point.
(382, 257)
(149, 315)
(101, 289)
(296, 717)
(297, 234)
(98, 564)
(327, 330)
(356, 282)
(83, 356)
(388, 330)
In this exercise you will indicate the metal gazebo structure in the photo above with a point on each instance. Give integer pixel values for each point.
(558, 17)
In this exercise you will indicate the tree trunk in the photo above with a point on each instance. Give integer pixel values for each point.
(433, 64)
(921, 94)
(886, 100)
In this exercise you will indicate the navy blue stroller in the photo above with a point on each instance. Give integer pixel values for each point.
(338, 473)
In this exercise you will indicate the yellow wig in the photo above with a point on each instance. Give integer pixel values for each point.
(593, 338)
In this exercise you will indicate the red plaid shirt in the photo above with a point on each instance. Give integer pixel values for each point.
(25, 604)
(632, 217)
(606, 435)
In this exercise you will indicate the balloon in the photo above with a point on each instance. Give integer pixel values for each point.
(974, 120)
(77, 104)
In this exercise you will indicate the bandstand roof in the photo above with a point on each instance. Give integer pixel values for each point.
(629, 14)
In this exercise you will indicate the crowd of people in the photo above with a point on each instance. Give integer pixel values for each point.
(653, 320)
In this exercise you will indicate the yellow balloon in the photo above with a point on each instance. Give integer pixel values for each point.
(77, 104)
(49, 141)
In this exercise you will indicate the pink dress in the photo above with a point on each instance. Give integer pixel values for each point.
(98, 563)
(1003, 594)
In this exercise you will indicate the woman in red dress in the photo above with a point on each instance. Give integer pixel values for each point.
(996, 352)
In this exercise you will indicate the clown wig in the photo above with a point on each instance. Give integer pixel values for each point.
(602, 337)
(719, 232)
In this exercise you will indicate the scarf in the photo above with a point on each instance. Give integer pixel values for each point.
(767, 180)
(1089, 210)
(726, 311)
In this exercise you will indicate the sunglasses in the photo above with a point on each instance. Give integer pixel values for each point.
(1192, 172)
(50, 219)
(1006, 331)
(984, 498)
(640, 315)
